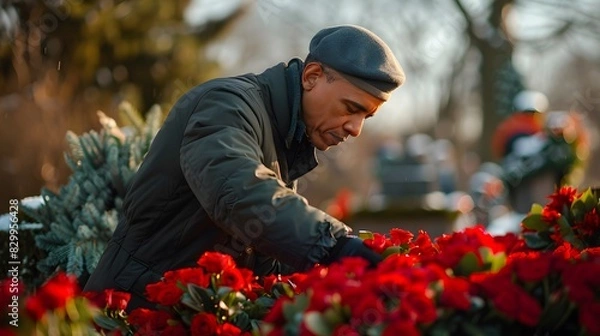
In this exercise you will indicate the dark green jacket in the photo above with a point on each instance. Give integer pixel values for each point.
(220, 176)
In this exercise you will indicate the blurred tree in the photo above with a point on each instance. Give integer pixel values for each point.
(462, 58)
(61, 60)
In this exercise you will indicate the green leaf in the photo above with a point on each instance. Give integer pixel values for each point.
(468, 264)
(376, 330)
(106, 322)
(365, 234)
(470, 329)
(566, 231)
(555, 312)
(223, 291)
(192, 302)
(492, 262)
(536, 209)
(317, 324)
(578, 209)
(392, 250)
(535, 241)
(282, 289)
(265, 301)
(498, 261)
(535, 222)
(202, 297)
(242, 321)
(295, 308)
(589, 199)
(333, 316)
(439, 330)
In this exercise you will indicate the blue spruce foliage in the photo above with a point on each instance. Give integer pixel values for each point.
(80, 218)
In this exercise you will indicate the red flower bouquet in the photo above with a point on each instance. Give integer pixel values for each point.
(215, 298)
(54, 308)
(545, 281)
(569, 218)
(465, 283)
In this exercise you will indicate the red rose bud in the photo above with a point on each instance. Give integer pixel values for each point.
(164, 293)
(147, 319)
(214, 262)
(116, 300)
(204, 324)
(399, 236)
(378, 243)
(52, 295)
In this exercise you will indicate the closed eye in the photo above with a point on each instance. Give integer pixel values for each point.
(354, 107)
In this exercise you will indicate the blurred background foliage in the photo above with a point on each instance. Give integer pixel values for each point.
(61, 60)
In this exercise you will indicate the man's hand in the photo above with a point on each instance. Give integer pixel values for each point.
(351, 246)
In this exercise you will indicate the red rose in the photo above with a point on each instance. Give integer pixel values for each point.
(116, 300)
(391, 284)
(98, 299)
(204, 324)
(109, 298)
(195, 276)
(8, 332)
(345, 330)
(214, 262)
(550, 215)
(353, 266)
(423, 246)
(517, 304)
(566, 251)
(59, 289)
(489, 283)
(296, 279)
(233, 278)
(401, 326)
(590, 253)
(564, 196)
(276, 332)
(451, 255)
(369, 311)
(148, 319)
(378, 243)
(164, 293)
(275, 315)
(588, 316)
(35, 307)
(176, 330)
(581, 281)
(531, 267)
(456, 293)
(421, 306)
(590, 224)
(511, 243)
(269, 281)
(53, 294)
(228, 329)
(395, 262)
(320, 299)
(399, 236)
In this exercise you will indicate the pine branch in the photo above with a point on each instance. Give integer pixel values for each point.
(80, 219)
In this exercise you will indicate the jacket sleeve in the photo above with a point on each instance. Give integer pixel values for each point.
(221, 159)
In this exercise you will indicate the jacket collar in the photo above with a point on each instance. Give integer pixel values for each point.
(300, 154)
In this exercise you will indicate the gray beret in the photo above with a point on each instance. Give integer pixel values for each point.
(360, 56)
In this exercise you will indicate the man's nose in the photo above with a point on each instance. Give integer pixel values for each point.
(354, 125)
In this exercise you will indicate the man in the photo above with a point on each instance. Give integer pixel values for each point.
(220, 175)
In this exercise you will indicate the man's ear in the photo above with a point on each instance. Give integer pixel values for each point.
(312, 71)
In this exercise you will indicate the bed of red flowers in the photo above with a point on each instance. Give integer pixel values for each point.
(545, 281)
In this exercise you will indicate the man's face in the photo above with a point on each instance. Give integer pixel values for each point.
(332, 108)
